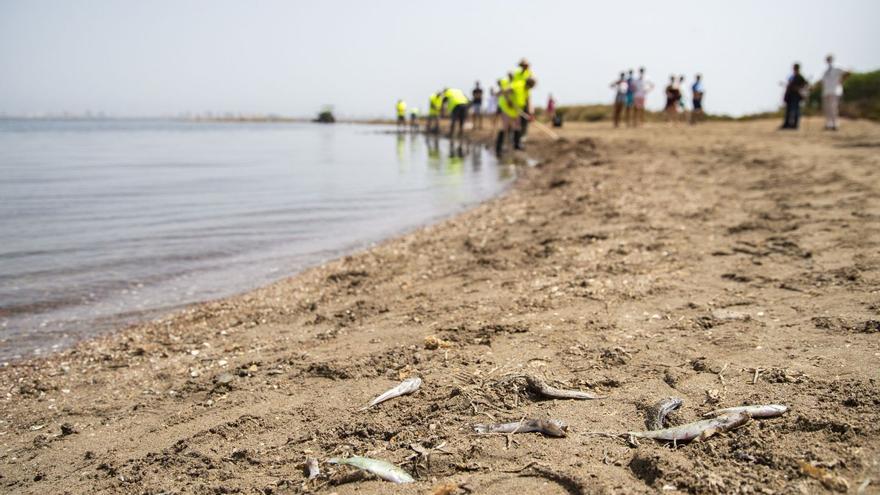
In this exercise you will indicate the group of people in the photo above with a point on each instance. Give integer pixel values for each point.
(797, 89)
(630, 93)
(510, 100)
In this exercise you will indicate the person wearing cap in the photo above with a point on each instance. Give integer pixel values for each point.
(523, 73)
(435, 101)
(456, 103)
(401, 115)
(514, 103)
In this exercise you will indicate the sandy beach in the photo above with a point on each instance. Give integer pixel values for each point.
(725, 264)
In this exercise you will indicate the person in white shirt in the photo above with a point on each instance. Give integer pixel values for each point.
(620, 88)
(643, 86)
(832, 90)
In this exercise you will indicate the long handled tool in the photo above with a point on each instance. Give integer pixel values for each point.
(546, 130)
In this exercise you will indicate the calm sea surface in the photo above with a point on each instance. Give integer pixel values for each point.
(110, 222)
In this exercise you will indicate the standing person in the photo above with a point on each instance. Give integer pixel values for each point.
(621, 88)
(832, 90)
(630, 96)
(401, 115)
(492, 107)
(697, 92)
(672, 97)
(794, 94)
(681, 105)
(414, 119)
(551, 108)
(456, 103)
(477, 102)
(523, 73)
(643, 87)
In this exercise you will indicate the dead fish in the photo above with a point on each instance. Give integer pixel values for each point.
(313, 468)
(756, 411)
(656, 419)
(549, 427)
(407, 386)
(697, 430)
(382, 469)
(540, 387)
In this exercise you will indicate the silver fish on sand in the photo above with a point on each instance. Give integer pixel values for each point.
(407, 386)
(540, 387)
(756, 411)
(549, 427)
(656, 416)
(382, 469)
(313, 468)
(697, 430)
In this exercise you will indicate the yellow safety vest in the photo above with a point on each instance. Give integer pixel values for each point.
(435, 102)
(401, 109)
(521, 74)
(504, 83)
(454, 98)
(515, 100)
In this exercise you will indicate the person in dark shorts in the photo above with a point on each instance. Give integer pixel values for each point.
(673, 94)
(456, 103)
(697, 99)
(477, 103)
(621, 88)
(630, 98)
(794, 93)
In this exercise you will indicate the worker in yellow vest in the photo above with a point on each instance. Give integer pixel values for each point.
(456, 103)
(435, 103)
(401, 115)
(514, 104)
(522, 73)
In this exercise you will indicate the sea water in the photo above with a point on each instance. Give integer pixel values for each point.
(105, 223)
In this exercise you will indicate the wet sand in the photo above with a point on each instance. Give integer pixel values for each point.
(725, 264)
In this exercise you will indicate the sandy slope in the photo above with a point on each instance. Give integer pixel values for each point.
(639, 264)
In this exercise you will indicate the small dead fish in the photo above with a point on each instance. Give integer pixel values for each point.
(382, 469)
(313, 468)
(656, 419)
(549, 427)
(407, 386)
(756, 411)
(697, 430)
(540, 387)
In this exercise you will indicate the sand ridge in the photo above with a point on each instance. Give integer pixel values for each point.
(724, 264)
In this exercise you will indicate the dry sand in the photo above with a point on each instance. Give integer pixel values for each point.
(636, 264)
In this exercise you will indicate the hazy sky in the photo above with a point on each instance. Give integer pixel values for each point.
(165, 57)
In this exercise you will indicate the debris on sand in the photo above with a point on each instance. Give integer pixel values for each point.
(538, 386)
(656, 416)
(383, 469)
(313, 469)
(445, 489)
(549, 427)
(405, 387)
(433, 342)
(828, 479)
(698, 430)
(756, 411)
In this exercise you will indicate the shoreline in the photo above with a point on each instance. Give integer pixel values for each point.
(40, 329)
(630, 263)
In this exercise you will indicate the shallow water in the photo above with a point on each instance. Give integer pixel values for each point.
(111, 222)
